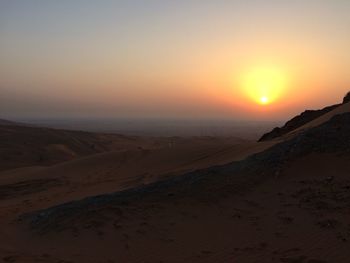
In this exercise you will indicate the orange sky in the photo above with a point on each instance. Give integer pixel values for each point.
(164, 59)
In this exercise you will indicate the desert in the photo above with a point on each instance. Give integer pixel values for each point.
(159, 131)
(196, 200)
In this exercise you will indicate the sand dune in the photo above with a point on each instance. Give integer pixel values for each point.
(28, 189)
(187, 200)
(9, 123)
(22, 146)
(296, 217)
(293, 208)
(119, 170)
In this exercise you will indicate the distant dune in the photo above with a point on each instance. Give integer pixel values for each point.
(195, 199)
(27, 146)
(10, 123)
(131, 167)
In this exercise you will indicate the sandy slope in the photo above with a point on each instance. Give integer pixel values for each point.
(299, 216)
(28, 189)
(294, 210)
(118, 170)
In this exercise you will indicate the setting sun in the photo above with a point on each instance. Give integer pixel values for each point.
(264, 85)
(264, 100)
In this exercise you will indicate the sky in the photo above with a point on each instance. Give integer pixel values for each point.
(252, 59)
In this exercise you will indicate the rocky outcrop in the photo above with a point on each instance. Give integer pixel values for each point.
(300, 120)
(346, 98)
(332, 136)
(296, 122)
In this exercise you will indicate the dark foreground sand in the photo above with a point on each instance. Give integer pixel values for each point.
(299, 216)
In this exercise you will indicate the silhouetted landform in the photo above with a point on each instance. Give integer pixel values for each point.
(10, 123)
(209, 184)
(346, 98)
(300, 120)
(25, 146)
(164, 127)
(296, 122)
(29, 146)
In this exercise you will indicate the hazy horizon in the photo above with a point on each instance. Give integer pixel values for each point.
(164, 127)
(172, 59)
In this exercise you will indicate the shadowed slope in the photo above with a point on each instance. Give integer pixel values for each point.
(303, 119)
(287, 204)
(119, 170)
(330, 137)
(344, 108)
(296, 122)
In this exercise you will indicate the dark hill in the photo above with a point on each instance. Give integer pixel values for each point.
(300, 120)
(296, 122)
(346, 98)
(9, 123)
(34, 146)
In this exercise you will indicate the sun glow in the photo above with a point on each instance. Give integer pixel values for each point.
(264, 85)
(264, 100)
